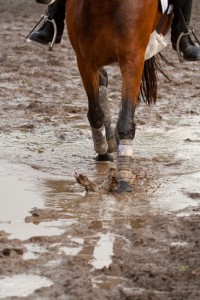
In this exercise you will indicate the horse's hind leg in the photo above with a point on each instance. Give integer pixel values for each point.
(103, 99)
(90, 79)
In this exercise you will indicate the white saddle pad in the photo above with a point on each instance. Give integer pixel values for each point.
(157, 41)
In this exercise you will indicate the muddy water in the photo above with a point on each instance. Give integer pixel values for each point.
(176, 189)
(167, 169)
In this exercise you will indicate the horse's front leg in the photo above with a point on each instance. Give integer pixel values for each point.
(90, 79)
(131, 80)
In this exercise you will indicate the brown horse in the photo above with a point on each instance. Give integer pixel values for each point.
(103, 32)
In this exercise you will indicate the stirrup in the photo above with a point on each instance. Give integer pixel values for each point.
(45, 19)
(191, 31)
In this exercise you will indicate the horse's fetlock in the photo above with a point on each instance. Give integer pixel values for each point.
(126, 135)
(99, 139)
(126, 127)
(96, 120)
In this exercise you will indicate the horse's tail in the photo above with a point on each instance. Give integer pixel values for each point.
(148, 88)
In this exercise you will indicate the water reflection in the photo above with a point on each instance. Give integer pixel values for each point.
(18, 193)
(103, 251)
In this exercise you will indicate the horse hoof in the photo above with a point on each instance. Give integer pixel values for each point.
(104, 157)
(124, 187)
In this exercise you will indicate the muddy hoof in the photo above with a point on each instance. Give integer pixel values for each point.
(124, 187)
(104, 157)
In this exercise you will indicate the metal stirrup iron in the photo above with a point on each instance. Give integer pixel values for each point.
(187, 30)
(48, 18)
(191, 31)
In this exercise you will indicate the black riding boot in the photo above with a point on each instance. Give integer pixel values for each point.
(189, 49)
(44, 35)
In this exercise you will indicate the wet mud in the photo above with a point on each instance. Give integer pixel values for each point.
(58, 241)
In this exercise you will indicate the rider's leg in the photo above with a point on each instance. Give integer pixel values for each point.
(44, 34)
(189, 49)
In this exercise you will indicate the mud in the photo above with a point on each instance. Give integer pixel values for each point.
(56, 240)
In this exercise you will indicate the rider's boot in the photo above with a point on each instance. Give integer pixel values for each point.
(189, 49)
(44, 35)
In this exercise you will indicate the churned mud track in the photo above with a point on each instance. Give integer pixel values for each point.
(58, 241)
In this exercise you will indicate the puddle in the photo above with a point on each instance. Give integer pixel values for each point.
(171, 196)
(22, 285)
(23, 188)
(53, 263)
(18, 193)
(180, 176)
(24, 231)
(107, 282)
(103, 251)
(77, 240)
(33, 251)
(71, 250)
(44, 190)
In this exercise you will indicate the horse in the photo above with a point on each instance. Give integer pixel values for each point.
(106, 32)
(115, 31)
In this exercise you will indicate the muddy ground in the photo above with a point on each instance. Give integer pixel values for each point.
(56, 240)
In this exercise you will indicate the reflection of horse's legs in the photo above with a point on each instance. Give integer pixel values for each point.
(103, 99)
(90, 79)
(131, 79)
